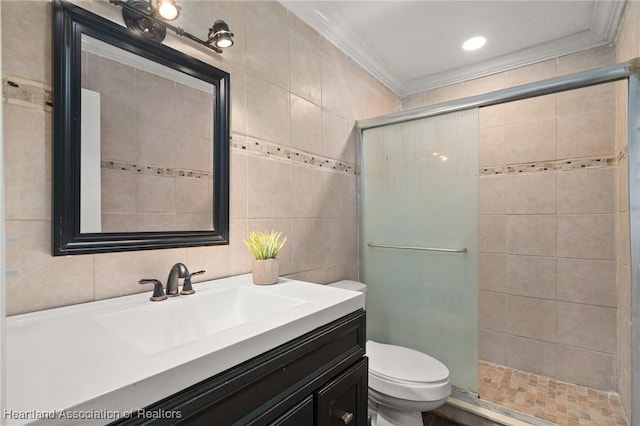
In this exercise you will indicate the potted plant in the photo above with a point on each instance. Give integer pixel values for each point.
(265, 247)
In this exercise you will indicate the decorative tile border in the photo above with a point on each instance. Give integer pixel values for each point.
(623, 154)
(269, 149)
(27, 93)
(152, 170)
(544, 166)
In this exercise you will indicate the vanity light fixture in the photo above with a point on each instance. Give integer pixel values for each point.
(150, 21)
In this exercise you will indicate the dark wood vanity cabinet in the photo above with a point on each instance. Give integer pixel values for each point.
(318, 379)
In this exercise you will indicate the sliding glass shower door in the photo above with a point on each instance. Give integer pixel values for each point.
(420, 238)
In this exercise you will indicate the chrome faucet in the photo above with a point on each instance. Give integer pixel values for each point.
(179, 270)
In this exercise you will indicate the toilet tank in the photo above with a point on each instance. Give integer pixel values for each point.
(350, 285)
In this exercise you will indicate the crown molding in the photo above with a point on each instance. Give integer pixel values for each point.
(605, 20)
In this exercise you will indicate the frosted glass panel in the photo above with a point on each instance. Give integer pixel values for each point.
(420, 188)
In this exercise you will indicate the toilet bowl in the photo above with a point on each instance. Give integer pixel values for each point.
(402, 382)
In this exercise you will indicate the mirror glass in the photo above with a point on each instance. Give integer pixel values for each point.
(147, 160)
(141, 141)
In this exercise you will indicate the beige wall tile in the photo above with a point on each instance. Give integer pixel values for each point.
(492, 146)
(532, 318)
(531, 276)
(624, 345)
(594, 98)
(156, 145)
(623, 281)
(338, 138)
(532, 109)
(531, 235)
(306, 125)
(623, 235)
(306, 69)
(269, 192)
(148, 222)
(492, 116)
(313, 276)
(214, 260)
(492, 234)
(118, 191)
(492, 346)
(340, 271)
(336, 90)
(492, 194)
(492, 311)
(155, 194)
(587, 236)
(119, 222)
(307, 244)
(238, 176)
(240, 257)
(531, 141)
(622, 119)
(117, 274)
(531, 193)
(342, 240)
(482, 85)
(28, 24)
(266, 49)
(341, 196)
(43, 281)
(622, 173)
(586, 368)
(587, 281)
(492, 272)
(450, 92)
(586, 60)
(193, 195)
(587, 327)
(267, 111)
(193, 221)
(27, 162)
(587, 191)
(531, 355)
(532, 73)
(310, 190)
(589, 134)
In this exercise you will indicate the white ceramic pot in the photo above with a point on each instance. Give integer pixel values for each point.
(265, 272)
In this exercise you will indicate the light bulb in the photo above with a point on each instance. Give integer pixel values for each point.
(474, 43)
(167, 9)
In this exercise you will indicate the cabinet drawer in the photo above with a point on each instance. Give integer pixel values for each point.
(343, 401)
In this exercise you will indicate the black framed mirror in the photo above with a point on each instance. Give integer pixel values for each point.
(141, 141)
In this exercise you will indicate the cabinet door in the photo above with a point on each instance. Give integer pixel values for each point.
(343, 401)
(300, 415)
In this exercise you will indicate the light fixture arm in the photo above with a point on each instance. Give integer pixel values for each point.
(179, 31)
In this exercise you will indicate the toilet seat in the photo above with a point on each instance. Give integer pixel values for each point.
(406, 374)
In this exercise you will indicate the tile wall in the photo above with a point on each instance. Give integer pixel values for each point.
(292, 92)
(548, 220)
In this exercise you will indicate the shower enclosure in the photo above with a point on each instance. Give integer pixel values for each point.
(509, 251)
(420, 238)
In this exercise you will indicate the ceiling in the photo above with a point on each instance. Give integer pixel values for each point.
(415, 45)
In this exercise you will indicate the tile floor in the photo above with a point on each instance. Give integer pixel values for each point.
(554, 401)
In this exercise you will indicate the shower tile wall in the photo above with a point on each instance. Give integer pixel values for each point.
(547, 236)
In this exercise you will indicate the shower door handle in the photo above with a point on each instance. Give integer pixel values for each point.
(445, 250)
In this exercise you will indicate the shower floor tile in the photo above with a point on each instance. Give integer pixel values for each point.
(548, 399)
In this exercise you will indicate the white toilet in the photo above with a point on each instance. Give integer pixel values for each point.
(402, 382)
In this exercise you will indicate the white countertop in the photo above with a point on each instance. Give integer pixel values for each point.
(65, 360)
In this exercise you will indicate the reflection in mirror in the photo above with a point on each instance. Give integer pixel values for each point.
(147, 160)
(141, 141)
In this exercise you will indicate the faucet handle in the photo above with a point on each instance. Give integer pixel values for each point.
(158, 291)
(186, 285)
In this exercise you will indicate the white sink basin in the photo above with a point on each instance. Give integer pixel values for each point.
(124, 353)
(164, 325)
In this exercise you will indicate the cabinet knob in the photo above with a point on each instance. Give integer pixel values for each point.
(346, 417)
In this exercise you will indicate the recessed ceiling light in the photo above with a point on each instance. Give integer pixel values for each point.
(474, 43)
